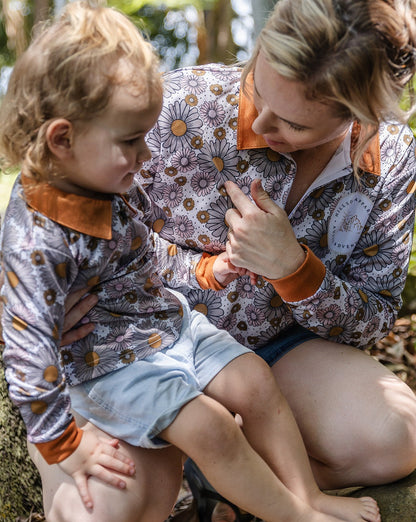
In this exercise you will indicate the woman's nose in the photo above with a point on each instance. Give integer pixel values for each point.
(265, 122)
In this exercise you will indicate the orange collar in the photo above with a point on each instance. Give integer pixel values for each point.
(86, 215)
(248, 139)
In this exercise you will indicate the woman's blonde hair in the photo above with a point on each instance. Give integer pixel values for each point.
(70, 71)
(357, 55)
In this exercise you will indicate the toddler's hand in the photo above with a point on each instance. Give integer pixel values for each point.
(97, 458)
(225, 272)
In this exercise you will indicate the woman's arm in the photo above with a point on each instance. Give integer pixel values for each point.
(356, 305)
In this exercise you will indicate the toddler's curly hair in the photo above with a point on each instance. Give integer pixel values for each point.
(70, 71)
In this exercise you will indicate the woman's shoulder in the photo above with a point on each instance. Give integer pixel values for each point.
(202, 79)
(397, 147)
(398, 133)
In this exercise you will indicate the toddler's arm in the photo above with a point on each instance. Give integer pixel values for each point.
(97, 458)
(225, 272)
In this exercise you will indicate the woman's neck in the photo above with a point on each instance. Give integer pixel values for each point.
(309, 165)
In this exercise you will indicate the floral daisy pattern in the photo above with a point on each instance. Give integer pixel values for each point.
(379, 219)
(135, 314)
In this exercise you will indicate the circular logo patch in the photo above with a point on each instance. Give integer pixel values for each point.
(347, 222)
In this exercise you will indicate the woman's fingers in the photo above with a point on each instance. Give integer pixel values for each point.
(240, 201)
(75, 335)
(76, 307)
(75, 297)
(261, 200)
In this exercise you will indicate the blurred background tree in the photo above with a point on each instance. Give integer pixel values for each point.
(184, 32)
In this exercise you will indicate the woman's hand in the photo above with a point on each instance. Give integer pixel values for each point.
(97, 458)
(261, 238)
(76, 307)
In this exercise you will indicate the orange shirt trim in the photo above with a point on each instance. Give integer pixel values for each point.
(86, 215)
(205, 275)
(304, 282)
(59, 449)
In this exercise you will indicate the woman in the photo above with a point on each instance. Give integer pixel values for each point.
(318, 123)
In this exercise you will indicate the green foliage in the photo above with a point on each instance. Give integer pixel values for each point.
(6, 55)
(170, 32)
(412, 264)
(131, 7)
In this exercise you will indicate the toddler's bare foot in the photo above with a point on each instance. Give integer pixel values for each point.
(348, 508)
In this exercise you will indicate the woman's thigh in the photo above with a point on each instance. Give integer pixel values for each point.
(358, 420)
(149, 496)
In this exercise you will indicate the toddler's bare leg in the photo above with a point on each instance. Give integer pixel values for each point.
(247, 386)
(207, 432)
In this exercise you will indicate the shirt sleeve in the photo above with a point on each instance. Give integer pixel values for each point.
(182, 268)
(59, 449)
(34, 293)
(359, 305)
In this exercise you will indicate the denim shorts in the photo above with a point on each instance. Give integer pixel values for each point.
(284, 343)
(137, 402)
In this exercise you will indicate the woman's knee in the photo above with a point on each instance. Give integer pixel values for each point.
(388, 451)
(149, 496)
(109, 505)
(396, 445)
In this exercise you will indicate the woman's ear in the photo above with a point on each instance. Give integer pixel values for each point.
(59, 136)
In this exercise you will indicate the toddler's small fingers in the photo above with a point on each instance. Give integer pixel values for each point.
(82, 486)
(108, 477)
(117, 461)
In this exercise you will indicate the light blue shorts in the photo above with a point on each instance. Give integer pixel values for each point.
(139, 401)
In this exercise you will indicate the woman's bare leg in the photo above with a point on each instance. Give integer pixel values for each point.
(357, 419)
(149, 496)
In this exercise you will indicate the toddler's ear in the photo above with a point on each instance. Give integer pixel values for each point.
(59, 137)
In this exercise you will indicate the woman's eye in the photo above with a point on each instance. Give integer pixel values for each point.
(296, 127)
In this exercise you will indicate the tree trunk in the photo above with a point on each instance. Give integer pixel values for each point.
(215, 40)
(20, 485)
(261, 9)
(15, 27)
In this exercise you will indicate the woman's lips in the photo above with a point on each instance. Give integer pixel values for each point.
(273, 143)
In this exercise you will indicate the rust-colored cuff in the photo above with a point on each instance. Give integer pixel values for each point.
(205, 274)
(59, 449)
(304, 282)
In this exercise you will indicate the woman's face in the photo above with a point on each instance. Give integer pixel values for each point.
(286, 119)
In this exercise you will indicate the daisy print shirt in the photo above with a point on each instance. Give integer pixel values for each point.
(54, 243)
(357, 234)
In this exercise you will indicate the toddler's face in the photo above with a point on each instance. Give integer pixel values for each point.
(109, 149)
